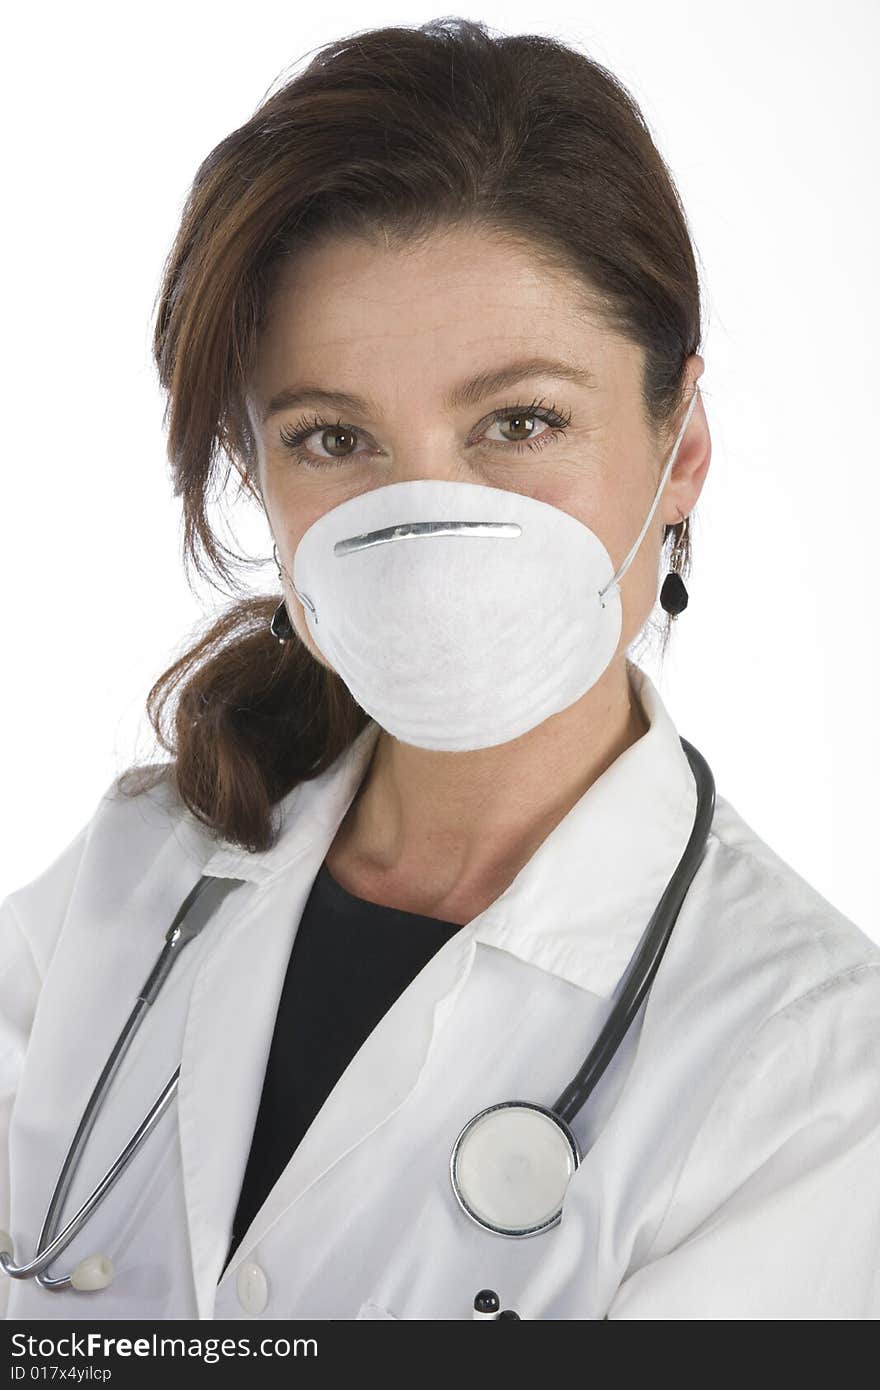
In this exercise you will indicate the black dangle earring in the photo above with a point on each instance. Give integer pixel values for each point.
(280, 627)
(673, 594)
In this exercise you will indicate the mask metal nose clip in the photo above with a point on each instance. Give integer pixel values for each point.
(426, 528)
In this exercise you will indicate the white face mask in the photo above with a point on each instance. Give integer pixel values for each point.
(461, 616)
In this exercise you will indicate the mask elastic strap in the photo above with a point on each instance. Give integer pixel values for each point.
(657, 495)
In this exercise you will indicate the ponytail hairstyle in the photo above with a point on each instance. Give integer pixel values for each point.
(395, 131)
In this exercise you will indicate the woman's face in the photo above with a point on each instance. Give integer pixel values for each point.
(401, 330)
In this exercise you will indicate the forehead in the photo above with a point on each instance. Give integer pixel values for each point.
(382, 320)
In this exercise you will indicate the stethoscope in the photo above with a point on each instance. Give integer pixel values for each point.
(511, 1163)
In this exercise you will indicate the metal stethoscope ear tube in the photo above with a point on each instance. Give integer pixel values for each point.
(512, 1162)
(96, 1271)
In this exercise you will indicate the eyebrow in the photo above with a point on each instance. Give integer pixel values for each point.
(467, 392)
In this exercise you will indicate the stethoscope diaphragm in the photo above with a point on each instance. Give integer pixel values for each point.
(511, 1166)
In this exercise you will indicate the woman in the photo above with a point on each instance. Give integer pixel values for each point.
(436, 300)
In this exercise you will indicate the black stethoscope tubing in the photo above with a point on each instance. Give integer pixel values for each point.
(646, 961)
(487, 1139)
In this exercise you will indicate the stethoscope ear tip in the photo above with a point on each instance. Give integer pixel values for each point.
(94, 1272)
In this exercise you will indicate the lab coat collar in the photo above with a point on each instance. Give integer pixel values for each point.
(580, 905)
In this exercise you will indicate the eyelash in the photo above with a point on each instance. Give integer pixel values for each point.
(558, 421)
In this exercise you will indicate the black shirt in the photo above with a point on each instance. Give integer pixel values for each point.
(350, 961)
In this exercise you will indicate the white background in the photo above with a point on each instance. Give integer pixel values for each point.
(767, 115)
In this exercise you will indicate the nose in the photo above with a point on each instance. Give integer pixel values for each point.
(428, 454)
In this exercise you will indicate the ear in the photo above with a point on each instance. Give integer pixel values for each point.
(691, 465)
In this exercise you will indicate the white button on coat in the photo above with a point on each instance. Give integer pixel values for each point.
(731, 1149)
(252, 1287)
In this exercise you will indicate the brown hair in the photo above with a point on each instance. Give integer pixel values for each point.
(401, 131)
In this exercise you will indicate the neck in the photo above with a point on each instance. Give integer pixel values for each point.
(445, 833)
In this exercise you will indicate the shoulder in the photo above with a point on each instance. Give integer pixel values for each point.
(125, 837)
(756, 951)
(761, 913)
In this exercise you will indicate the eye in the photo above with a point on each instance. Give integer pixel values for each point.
(523, 417)
(332, 436)
(339, 436)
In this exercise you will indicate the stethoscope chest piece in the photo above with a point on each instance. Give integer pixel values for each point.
(511, 1166)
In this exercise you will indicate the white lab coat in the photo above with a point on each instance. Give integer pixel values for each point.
(732, 1148)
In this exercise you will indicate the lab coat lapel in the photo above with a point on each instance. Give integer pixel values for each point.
(230, 1022)
(581, 904)
(227, 1039)
(227, 1036)
(374, 1085)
